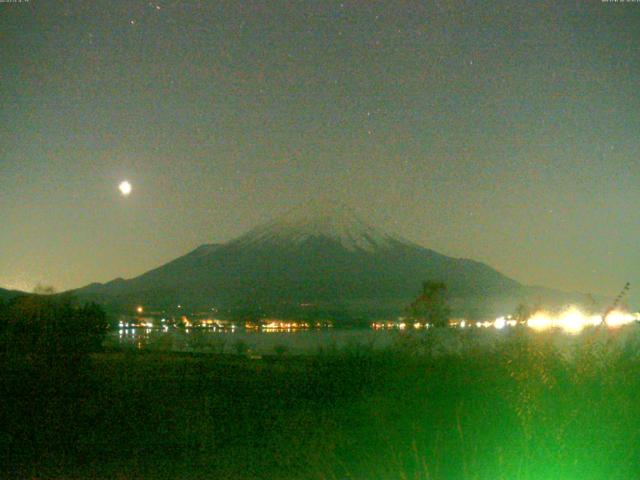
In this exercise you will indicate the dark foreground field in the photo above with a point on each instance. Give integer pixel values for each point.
(521, 410)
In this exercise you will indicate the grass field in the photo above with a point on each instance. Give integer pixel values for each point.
(523, 408)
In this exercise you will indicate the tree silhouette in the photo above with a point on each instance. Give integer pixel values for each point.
(522, 313)
(44, 289)
(431, 306)
(51, 326)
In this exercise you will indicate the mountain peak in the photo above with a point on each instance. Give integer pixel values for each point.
(318, 253)
(325, 218)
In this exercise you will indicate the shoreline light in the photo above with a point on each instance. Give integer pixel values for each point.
(573, 321)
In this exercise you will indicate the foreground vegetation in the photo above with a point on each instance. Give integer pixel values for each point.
(520, 409)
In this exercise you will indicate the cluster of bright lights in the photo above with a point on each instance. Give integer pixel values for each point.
(571, 320)
(499, 323)
(280, 326)
(136, 324)
(400, 325)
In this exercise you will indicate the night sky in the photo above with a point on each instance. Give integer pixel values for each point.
(508, 132)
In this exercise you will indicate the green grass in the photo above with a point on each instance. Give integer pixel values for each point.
(520, 409)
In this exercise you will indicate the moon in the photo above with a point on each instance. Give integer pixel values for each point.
(125, 188)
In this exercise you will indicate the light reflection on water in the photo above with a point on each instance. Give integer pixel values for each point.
(333, 340)
(260, 342)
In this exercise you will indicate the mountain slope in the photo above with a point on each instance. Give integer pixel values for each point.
(8, 294)
(318, 257)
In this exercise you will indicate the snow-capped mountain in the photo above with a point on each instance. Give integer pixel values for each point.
(325, 219)
(317, 259)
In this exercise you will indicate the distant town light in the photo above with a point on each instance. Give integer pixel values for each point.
(572, 321)
(139, 309)
(618, 318)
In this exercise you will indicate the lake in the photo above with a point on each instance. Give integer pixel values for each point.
(307, 341)
(259, 342)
